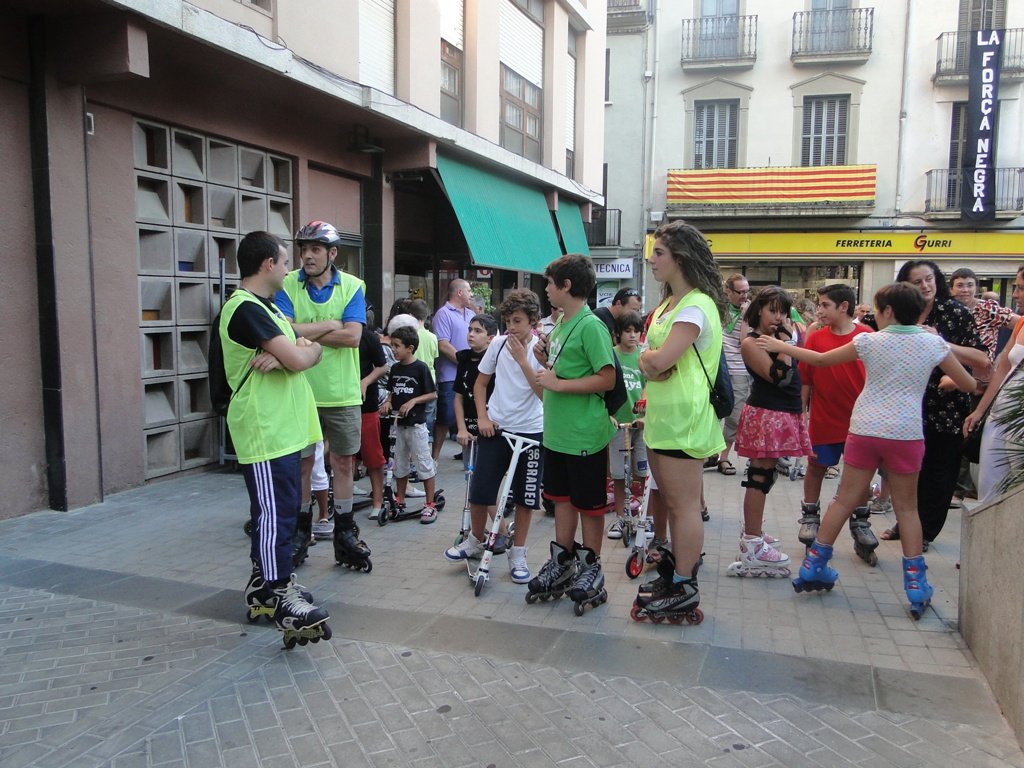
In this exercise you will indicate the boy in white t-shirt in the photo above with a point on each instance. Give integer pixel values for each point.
(885, 430)
(516, 406)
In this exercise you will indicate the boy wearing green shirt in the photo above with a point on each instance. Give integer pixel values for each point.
(579, 369)
(628, 328)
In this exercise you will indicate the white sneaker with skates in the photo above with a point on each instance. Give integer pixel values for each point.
(758, 559)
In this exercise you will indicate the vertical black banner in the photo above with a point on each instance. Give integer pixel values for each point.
(978, 187)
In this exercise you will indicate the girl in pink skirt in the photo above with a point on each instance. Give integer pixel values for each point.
(771, 426)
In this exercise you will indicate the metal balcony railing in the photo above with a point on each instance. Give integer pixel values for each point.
(624, 5)
(945, 187)
(846, 31)
(955, 50)
(723, 40)
(605, 227)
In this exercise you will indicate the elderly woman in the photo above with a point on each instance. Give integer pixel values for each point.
(945, 408)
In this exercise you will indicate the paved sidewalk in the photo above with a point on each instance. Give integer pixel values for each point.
(122, 643)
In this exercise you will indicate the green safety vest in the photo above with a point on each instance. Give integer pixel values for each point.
(271, 414)
(679, 415)
(335, 380)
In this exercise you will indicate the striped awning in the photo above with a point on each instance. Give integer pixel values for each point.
(851, 184)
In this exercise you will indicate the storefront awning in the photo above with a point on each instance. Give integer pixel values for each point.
(506, 225)
(570, 223)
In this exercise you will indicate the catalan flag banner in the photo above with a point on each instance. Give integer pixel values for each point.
(773, 186)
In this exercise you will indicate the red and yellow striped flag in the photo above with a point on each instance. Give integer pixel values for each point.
(768, 186)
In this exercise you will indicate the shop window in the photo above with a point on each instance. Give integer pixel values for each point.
(715, 134)
(451, 84)
(521, 119)
(825, 126)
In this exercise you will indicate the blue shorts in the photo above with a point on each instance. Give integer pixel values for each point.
(827, 455)
(445, 402)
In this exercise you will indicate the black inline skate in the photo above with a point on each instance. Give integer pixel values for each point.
(260, 600)
(349, 550)
(658, 584)
(298, 618)
(588, 586)
(302, 537)
(809, 521)
(864, 540)
(555, 577)
(667, 598)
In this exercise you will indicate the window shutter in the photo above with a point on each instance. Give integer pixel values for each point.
(377, 44)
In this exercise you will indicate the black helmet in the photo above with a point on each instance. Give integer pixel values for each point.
(318, 232)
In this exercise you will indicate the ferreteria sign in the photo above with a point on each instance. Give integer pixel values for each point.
(859, 245)
(978, 169)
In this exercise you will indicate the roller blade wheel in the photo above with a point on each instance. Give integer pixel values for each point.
(478, 586)
(634, 565)
(359, 564)
(580, 606)
(628, 536)
(247, 527)
(799, 585)
(253, 613)
(533, 597)
(293, 637)
(694, 617)
(867, 555)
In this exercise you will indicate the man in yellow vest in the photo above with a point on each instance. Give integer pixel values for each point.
(328, 306)
(272, 418)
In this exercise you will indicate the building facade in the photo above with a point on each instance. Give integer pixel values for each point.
(142, 138)
(812, 141)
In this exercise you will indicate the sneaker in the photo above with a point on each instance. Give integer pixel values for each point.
(615, 529)
(956, 503)
(359, 491)
(758, 558)
(880, 506)
(650, 528)
(428, 515)
(323, 528)
(469, 549)
(770, 540)
(414, 492)
(374, 513)
(517, 565)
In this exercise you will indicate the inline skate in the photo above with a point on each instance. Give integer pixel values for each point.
(809, 521)
(758, 558)
(915, 583)
(555, 576)
(588, 585)
(815, 574)
(666, 598)
(302, 536)
(349, 550)
(298, 618)
(259, 601)
(864, 541)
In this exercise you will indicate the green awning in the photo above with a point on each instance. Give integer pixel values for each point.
(507, 225)
(570, 223)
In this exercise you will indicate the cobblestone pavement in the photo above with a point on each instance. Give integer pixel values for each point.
(123, 643)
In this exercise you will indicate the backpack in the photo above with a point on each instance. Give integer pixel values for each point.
(615, 397)
(220, 391)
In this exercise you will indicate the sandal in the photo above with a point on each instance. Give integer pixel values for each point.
(726, 468)
(428, 515)
(711, 462)
(891, 534)
(832, 473)
(705, 515)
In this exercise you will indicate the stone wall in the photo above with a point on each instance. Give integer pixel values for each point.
(992, 598)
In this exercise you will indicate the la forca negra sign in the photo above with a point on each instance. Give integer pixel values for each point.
(978, 195)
